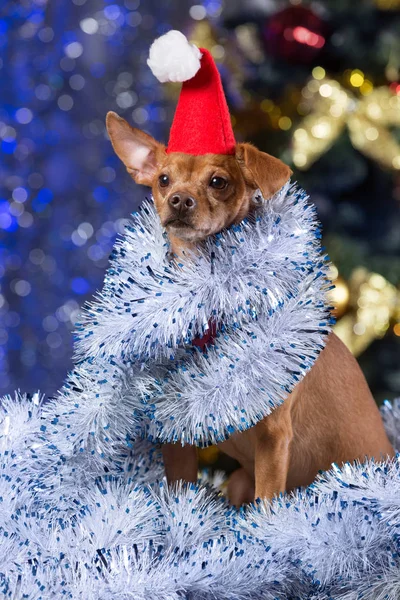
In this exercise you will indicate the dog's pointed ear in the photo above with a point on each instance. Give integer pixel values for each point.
(264, 171)
(139, 152)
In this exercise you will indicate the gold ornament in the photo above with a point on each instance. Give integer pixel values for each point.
(209, 455)
(374, 303)
(332, 108)
(339, 297)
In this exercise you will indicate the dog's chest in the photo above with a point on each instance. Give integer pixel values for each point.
(240, 446)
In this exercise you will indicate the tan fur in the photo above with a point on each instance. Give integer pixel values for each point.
(267, 172)
(331, 415)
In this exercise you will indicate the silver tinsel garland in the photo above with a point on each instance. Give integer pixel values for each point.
(84, 510)
(80, 528)
(262, 283)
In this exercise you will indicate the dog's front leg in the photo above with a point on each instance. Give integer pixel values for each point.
(180, 462)
(271, 460)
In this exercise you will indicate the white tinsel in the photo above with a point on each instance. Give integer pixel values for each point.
(262, 282)
(120, 533)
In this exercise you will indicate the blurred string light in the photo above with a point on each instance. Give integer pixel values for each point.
(368, 117)
(64, 196)
(302, 35)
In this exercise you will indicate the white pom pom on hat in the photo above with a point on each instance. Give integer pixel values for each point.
(201, 124)
(173, 58)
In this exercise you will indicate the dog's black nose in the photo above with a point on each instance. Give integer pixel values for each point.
(181, 203)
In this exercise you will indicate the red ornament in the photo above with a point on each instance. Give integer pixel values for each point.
(295, 34)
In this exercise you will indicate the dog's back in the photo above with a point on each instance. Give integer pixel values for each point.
(334, 417)
(331, 417)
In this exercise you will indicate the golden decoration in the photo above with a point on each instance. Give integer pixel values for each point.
(374, 305)
(339, 296)
(332, 108)
(209, 455)
(388, 4)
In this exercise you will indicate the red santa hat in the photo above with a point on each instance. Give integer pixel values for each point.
(201, 124)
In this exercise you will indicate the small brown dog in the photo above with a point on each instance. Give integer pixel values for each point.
(331, 415)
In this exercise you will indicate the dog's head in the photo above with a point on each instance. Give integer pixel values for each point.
(196, 196)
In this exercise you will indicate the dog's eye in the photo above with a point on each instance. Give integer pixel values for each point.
(163, 180)
(218, 183)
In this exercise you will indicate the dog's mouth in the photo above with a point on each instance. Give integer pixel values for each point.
(177, 224)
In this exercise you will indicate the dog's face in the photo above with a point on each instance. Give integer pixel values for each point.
(196, 196)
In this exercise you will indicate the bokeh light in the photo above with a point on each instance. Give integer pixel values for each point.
(64, 195)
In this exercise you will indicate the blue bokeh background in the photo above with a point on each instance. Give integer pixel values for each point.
(64, 194)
